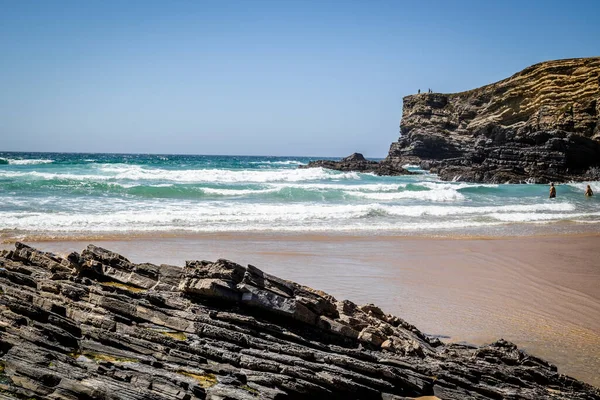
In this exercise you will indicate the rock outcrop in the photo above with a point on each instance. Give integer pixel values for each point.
(97, 326)
(540, 125)
(357, 162)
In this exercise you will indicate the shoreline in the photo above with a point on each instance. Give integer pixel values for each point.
(560, 229)
(541, 292)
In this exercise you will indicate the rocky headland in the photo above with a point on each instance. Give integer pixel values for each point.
(540, 125)
(93, 325)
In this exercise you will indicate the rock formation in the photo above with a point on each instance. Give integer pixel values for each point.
(357, 162)
(540, 125)
(97, 326)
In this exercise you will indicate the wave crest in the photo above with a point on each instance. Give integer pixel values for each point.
(27, 161)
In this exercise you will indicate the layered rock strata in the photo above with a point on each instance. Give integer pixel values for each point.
(541, 124)
(97, 326)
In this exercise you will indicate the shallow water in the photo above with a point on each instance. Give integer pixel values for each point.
(61, 195)
(542, 293)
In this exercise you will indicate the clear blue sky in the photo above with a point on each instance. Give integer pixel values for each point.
(322, 78)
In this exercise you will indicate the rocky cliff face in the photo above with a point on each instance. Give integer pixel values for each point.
(542, 124)
(96, 326)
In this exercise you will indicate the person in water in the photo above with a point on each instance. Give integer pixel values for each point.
(552, 191)
(588, 191)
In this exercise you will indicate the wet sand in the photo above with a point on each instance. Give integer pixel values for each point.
(542, 293)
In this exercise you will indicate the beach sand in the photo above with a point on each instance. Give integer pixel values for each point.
(543, 293)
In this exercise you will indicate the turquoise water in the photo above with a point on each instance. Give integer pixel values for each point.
(59, 194)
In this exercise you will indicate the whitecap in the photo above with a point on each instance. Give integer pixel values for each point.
(428, 195)
(28, 161)
(286, 162)
(453, 185)
(227, 176)
(582, 186)
(237, 192)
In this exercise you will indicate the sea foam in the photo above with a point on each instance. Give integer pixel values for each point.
(145, 193)
(28, 161)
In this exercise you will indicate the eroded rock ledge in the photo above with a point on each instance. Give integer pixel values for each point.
(96, 326)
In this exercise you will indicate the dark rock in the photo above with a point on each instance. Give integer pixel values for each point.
(354, 157)
(540, 125)
(217, 330)
(357, 162)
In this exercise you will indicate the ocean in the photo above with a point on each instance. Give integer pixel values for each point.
(56, 195)
(370, 239)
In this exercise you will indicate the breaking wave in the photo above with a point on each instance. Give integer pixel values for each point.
(24, 161)
(64, 193)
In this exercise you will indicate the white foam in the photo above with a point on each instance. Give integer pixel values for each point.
(286, 162)
(205, 220)
(460, 211)
(532, 217)
(373, 187)
(133, 172)
(137, 173)
(586, 221)
(583, 185)
(428, 195)
(28, 161)
(52, 175)
(125, 215)
(454, 185)
(237, 192)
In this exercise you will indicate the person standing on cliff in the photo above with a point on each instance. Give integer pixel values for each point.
(588, 191)
(552, 191)
(419, 92)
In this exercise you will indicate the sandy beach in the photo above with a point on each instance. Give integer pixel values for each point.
(542, 292)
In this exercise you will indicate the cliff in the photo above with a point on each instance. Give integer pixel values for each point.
(541, 124)
(94, 325)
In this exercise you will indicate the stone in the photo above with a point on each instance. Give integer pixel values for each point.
(540, 125)
(217, 330)
(372, 336)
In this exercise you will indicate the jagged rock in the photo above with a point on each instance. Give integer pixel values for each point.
(354, 157)
(357, 162)
(540, 125)
(97, 326)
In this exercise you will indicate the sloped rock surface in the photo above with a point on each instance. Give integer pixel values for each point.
(96, 326)
(540, 125)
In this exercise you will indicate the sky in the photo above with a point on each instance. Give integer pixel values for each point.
(322, 78)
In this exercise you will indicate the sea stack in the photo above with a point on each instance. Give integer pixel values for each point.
(94, 325)
(540, 125)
